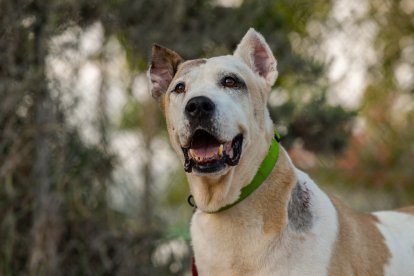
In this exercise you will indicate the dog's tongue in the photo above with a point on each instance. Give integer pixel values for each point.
(204, 147)
(204, 153)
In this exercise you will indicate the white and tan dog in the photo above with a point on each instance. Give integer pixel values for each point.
(220, 127)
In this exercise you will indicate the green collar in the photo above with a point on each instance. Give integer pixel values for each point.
(263, 172)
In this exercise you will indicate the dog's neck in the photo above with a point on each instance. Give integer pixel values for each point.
(278, 186)
(281, 186)
(289, 200)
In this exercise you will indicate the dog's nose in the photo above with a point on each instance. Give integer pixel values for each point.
(200, 107)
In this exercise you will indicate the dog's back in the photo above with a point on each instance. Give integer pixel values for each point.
(379, 243)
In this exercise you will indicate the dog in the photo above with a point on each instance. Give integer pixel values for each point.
(257, 214)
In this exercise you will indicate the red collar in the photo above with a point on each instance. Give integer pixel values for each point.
(194, 268)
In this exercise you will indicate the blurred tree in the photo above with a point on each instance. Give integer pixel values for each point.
(39, 152)
(381, 153)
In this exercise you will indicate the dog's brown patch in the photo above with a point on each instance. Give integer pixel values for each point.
(360, 248)
(189, 65)
(282, 182)
(408, 210)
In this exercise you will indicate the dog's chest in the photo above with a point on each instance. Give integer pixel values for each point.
(225, 245)
(230, 248)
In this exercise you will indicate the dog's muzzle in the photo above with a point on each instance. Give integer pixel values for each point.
(206, 154)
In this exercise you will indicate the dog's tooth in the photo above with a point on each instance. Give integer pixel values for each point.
(220, 150)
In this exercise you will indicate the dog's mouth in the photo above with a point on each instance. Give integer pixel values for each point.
(206, 154)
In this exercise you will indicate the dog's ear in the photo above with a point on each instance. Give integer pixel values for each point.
(254, 51)
(164, 64)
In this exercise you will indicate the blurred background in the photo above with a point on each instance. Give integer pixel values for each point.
(88, 182)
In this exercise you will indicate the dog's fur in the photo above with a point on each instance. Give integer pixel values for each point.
(288, 226)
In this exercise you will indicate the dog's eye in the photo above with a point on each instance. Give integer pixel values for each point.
(179, 88)
(229, 82)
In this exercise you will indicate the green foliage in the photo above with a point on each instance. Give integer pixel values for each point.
(380, 153)
(132, 115)
(321, 127)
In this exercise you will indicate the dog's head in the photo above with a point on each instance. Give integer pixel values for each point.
(216, 108)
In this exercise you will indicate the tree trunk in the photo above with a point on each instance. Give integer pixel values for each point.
(149, 130)
(46, 231)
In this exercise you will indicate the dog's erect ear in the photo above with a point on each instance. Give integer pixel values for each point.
(254, 51)
(164, 63)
